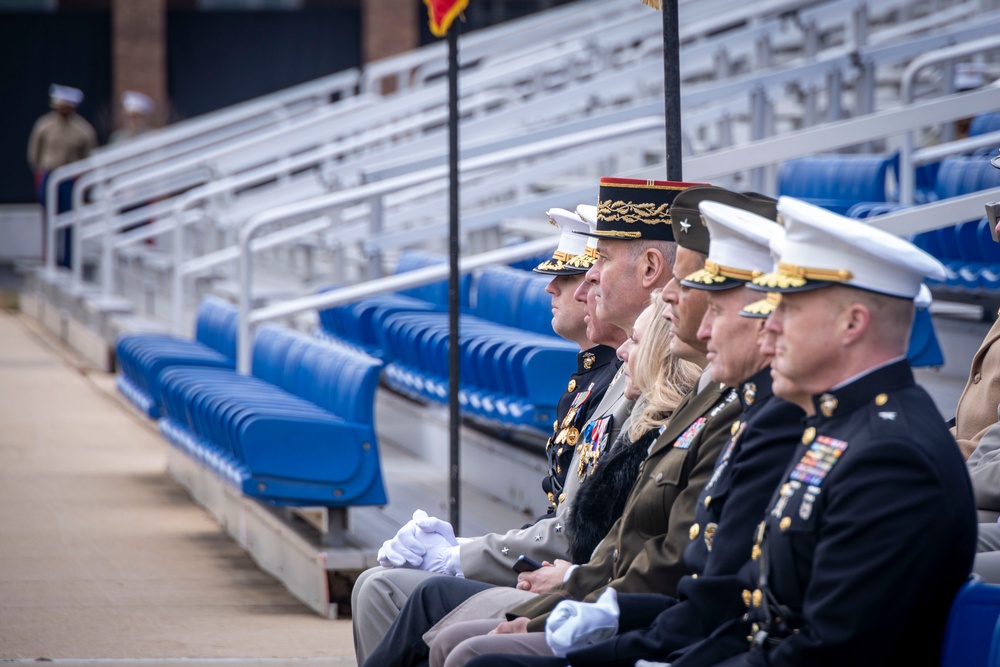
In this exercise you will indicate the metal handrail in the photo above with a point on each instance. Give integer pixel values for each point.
(907, 173)
(831, 136)
(942, 213)
(371, 191)
(341, 83)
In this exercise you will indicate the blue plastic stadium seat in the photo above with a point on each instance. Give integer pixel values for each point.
(970, 638)
(142, 357)
(960, 175)
(838, 182)
(357, 323)
(513, 367)
(985, 123)
(298, 431)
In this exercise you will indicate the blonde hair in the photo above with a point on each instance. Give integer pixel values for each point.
(664, 378)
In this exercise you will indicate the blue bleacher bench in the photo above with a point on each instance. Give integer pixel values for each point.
(142, 357)
(357, 323)
(513, 366)
(299, 431)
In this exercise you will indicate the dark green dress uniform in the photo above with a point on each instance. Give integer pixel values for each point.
(865, 542)
(595, 368)
(727, 514)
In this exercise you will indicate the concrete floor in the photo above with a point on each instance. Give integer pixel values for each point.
(104, 559)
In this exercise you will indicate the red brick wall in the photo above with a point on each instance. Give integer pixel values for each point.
(139, 56)
(389, 27)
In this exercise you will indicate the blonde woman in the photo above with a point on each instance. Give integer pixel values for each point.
(657, 381)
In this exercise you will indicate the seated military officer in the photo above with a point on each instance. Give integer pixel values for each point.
(380, 593)
(872, 528)
(636, 251)
(741, 483)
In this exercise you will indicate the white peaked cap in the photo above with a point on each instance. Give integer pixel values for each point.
(135, 102)
(924, 298)
(589, 213)
(739, 247)
(65, 94)
(571, 244)
(823, 248)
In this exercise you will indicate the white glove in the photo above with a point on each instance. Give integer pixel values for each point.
(404, 550)
(574, 625)
(441, 547)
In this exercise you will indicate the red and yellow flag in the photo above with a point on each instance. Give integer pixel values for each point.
(442, 13)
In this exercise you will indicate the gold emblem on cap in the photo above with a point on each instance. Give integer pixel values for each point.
(785, 523)
(572, 435)
(828, 404)
(808, 435)
(693, 532)
(572, 385)
(588, 360)
(881, 399)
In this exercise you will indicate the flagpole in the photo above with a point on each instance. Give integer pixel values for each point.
(454, 491)
(672, 90)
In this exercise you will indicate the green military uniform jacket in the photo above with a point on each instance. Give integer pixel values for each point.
(643, 550)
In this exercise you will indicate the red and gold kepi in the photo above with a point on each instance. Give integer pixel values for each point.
(634, 209)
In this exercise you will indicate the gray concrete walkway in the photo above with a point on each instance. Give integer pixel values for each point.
(104, 559)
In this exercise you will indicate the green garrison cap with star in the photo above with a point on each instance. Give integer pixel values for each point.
(689, 229)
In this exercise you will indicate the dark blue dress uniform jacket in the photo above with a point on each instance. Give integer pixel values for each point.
(728, 512)
(865, 542)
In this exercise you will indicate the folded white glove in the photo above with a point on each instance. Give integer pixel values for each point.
(404, 549)
(574, 625)
(441, 547)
